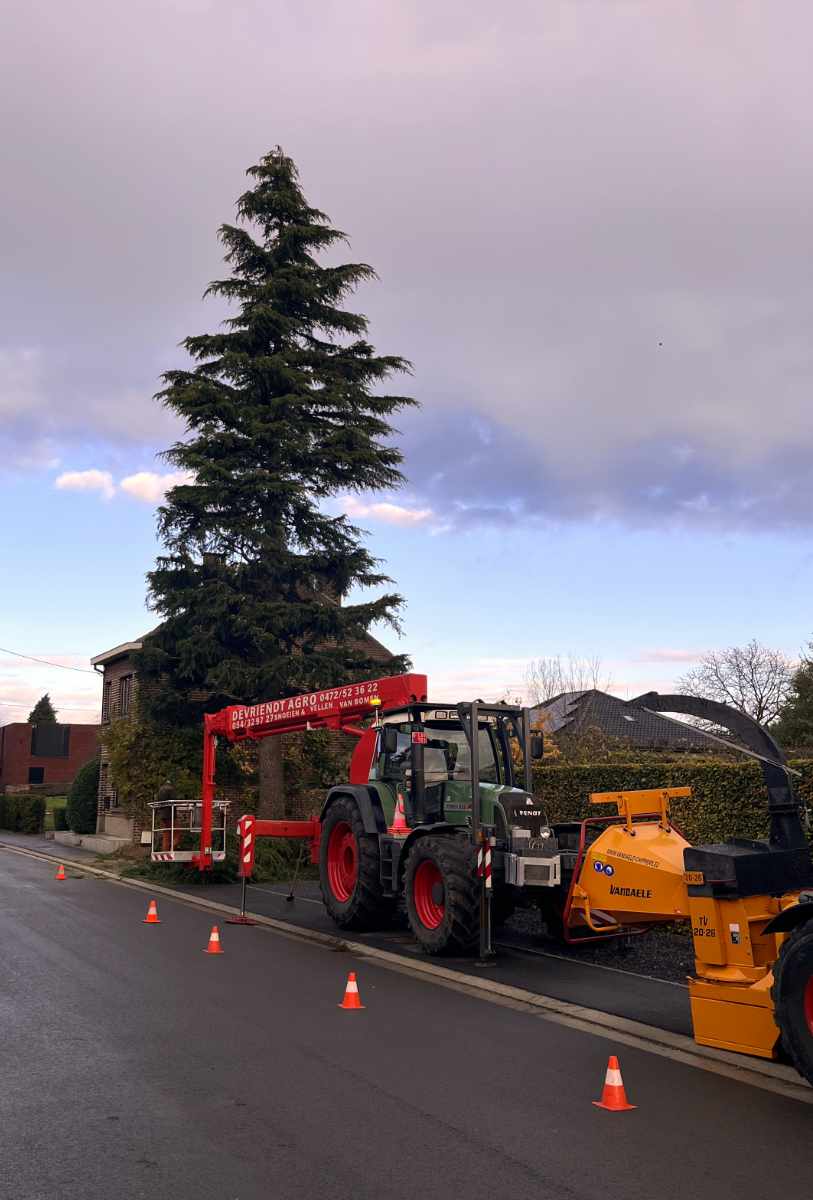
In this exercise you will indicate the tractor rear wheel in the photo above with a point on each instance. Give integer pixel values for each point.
(349, 870)
(792, 995)
(503, 905)
(442, 894)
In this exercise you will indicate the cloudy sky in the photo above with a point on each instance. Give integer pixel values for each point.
(590, 219)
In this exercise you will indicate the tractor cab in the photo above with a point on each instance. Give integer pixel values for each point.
(430, 754)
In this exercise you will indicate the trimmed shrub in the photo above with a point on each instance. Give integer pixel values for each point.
(83, 799)
(277, 860)
(22, 813)
(60, 815)
(728, 799)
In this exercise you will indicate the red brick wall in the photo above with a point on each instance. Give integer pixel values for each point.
(16, 756)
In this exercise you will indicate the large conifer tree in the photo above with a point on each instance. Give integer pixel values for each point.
(43, 712)
(283, 411)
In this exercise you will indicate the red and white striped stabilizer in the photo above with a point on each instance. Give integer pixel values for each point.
(484, 863)
(247, 835)
(613, 1097)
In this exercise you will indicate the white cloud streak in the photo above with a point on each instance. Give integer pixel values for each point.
(91, 480)
(666, 655)
(150, 487)
(386, 512)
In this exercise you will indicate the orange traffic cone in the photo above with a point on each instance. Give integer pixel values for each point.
(214, 946)
(152, 917)
(614, 1098)
(60, 873)
(351, 993)
(399, 827)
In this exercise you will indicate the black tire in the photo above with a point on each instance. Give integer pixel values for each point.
(792, 995)
(456, 894)
(503, 905)
(364, 905)
(553, 917)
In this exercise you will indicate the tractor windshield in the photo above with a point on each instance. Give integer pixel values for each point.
(447, 756)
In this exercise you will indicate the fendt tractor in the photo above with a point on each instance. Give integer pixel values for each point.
(439, 820)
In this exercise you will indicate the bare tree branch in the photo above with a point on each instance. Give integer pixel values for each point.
(753, 679)
(549, 677)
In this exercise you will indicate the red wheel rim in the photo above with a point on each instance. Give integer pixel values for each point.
(427, 894)
(809, 1004)
(342, 861)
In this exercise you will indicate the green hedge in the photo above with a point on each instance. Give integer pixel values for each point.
(60, 817)
(22, 813)
(83, 799)
(728, 799)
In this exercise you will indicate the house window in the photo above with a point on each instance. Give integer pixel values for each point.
(125, 694)
(36, 774)
(50, 741)
(106, 692)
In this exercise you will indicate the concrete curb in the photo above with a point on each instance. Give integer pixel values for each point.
(761, 1073)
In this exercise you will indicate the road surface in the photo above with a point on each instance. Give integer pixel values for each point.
(638, 998)
(135, 1066)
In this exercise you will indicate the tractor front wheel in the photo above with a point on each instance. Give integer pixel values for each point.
(442, 894)
(349, 870)
(792, 995)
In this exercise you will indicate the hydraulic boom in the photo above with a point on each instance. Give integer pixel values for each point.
(337, 708)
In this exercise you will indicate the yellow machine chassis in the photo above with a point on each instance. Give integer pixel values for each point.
(632, 875)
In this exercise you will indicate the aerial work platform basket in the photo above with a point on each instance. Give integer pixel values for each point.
(176, 830)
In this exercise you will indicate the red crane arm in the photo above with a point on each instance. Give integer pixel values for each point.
(333, 708)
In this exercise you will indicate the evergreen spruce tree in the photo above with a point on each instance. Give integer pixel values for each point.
(43, 712)
(794, 728)
(283, 411)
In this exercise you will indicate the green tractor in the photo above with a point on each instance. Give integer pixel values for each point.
(441, 791)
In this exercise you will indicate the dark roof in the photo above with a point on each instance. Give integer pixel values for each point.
(576, 712)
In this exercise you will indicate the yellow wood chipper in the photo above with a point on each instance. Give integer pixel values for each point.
(750, 903)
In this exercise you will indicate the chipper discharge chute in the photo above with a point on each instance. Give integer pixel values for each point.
(439, 818)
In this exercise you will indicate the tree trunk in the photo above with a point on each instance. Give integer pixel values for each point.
(272, 780)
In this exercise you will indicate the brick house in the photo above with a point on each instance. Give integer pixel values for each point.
(118, 698)
(44, 756)
(119, 690)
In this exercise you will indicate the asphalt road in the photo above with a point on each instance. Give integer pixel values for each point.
(579, 981)
(133, 1065)
(651, 1001)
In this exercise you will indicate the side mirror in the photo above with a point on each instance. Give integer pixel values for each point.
(537, 745)
(389, 739)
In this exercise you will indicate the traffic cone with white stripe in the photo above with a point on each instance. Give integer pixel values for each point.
(614, 1098)
(352, 999)
(214, 946)
(152, 917)
(60, 873)
(399, 827)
